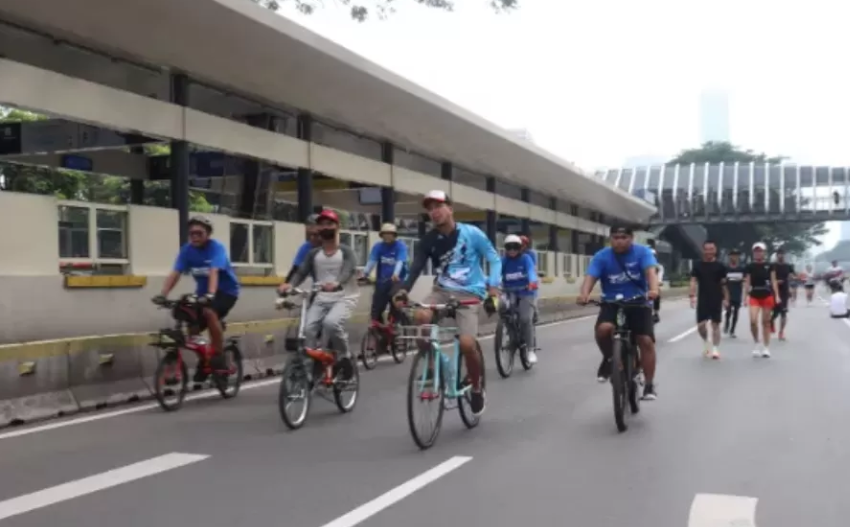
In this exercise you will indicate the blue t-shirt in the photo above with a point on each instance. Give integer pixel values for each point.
(198, 262)
(605, 268)
(385, 256)
(519, 272)
(533, 254)
(302, 253)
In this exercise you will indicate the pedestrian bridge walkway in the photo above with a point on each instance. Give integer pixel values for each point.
(737, 192)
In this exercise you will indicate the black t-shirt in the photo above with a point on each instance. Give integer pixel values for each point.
(710, 278)
(783, 271)
(759, 273)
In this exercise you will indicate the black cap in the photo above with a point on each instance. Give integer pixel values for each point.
(621, 229)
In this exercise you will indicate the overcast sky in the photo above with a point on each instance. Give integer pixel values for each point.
(599, 82)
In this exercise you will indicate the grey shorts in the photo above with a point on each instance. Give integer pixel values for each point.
(467, 317)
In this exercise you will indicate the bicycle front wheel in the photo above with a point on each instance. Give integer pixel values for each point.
(464, 402)
(425, 396)
(171, 381)
(504, 347)
(619, 384)
(228, 384)
(294, 397)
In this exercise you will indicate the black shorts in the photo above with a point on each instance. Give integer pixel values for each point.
(221, 303)
(782, 307)
(712, 311)
(638, 319)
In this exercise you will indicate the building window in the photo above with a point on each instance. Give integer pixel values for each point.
(465, 177)
(508, 190)
(92, 238)
(359, 243)
(568, 264)
(543, 264)
(252, 247)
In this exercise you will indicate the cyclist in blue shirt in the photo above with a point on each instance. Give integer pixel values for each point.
(457, 251)
(313, 241)
(217, 287)
(628, 269)
(519, 275)
(389, 260)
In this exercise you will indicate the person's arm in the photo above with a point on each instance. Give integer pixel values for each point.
(489, 253)
(420, 258)
(401, 259)
(650, 264)
(774, 283)
(373, 261)
(594, 271)
(305, 269)
(218, 263)
(349, 265)
(533, 279)
(296, 263)
(724, 282)
(180, 267)
(747, 281)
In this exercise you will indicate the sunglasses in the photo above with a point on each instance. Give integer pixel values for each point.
(513, 247)
(197, 233)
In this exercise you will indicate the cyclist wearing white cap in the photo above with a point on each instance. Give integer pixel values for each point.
(457, 251)
(389, 260)
(519, 277)
(760, 284)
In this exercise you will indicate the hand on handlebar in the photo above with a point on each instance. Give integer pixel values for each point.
(205, 299)
(330, 286)
(284, 288)
(159, 300)
(400, 298)
(582, 299)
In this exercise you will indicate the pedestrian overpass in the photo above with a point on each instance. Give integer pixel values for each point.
(737, 192)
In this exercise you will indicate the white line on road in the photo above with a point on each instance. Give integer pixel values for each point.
(680, 336)
(92, 484)
(397, 494)
(722, 510)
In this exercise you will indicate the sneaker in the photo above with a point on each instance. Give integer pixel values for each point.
(715, 353)
(649, 393)
(765, 353)
(476, 403)
(757, 351)
(706, 348)
(732, 335)
(532, 357)
(604, 371)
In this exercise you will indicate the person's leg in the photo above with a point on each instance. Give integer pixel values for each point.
(766, 320)
(467, 328)
(702, 326)
(214, 316)
(379, 302)
(716, 317)
(313, 323)
(735, 308)
(333, 325)
(783, 316)
(727, 319)
(526, 318)
(643, 328)
(604, 334)
(755, 322)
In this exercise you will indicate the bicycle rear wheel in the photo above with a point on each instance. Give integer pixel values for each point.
(420, 393)
(346, 385)
(228, 385)
(171, 379)
(505, 351)
(400, 347)
(634, 385)
(464, 403)
(294, 387)
(369, 349)
(619, 384)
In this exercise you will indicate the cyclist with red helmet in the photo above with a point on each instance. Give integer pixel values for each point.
(333, 266)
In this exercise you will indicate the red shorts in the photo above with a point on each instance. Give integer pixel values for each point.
(766, 303)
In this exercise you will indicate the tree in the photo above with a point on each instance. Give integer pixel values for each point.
(796, 238)
(360, 10)
(82, 186)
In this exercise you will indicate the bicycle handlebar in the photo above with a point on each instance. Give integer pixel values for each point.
(635, 301)
(184, 300)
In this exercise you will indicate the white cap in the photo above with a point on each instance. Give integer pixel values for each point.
(513, 238)
(436, 195)
(388, 228)
(759, 245)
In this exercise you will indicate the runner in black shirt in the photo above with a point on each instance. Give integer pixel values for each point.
(760, 284)
(735, 285)
(785, 274)
(710, 297)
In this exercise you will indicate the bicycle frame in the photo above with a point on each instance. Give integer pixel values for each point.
(324, 358)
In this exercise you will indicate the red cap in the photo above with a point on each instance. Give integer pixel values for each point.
(524, 240)
(328, 215)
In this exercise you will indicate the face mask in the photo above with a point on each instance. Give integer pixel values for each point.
(327, 234)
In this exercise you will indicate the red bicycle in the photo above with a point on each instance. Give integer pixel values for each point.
(382, 338)
(172, 376)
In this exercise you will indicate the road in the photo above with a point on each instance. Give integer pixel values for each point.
(774, 430)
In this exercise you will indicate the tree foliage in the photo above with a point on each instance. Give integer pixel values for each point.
(83, 186)
(796, 237)
(361, 10)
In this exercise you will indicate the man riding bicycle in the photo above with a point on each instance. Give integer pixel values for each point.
(313, 241)
(628, 269)
(332, 266)
(456, 251)
(519, 275)
(217, 287)
(389, 259)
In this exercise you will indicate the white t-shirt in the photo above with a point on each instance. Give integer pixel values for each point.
(838, 304)
(835, 272)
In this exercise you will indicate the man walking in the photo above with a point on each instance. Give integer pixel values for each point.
(735, 285)
(784, 275)
(708, 295)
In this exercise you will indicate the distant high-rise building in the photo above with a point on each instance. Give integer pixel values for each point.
(521, 133)
(714, 116)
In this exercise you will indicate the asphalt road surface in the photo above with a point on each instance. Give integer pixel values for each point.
(736, 442)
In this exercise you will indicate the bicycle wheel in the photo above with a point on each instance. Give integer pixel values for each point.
(464, 403)
(228, 384)
(634, 385)
(346, 386)
(523, 354)
(294, 387)
(618, 385)
(369, 349)
(505, 353)
(419, 393)
(400, 347)
(171, 379)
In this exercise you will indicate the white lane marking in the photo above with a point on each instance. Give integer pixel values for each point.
(397, 494)
(92, 484)
(722, 510)
(205, 395)
(682, 335)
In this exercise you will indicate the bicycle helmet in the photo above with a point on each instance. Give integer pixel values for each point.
(513, 242)
(202, 221)
(388, 228)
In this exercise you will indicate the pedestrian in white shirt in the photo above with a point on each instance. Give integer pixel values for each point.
(838, 304)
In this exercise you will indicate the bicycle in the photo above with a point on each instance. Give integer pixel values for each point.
(444, 379)
(323, 375)
(509, 325)
(626, 374)
(382, 337)
(186, 313)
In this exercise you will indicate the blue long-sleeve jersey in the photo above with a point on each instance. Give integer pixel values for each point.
(518, 273)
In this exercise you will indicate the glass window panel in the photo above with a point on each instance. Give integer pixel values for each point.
(263, 237)
(74, 232)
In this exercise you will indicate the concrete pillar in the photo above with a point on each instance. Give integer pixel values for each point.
(387, 193)
(305, 175)
(180, 160)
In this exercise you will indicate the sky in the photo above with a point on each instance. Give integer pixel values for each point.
(600, 82)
